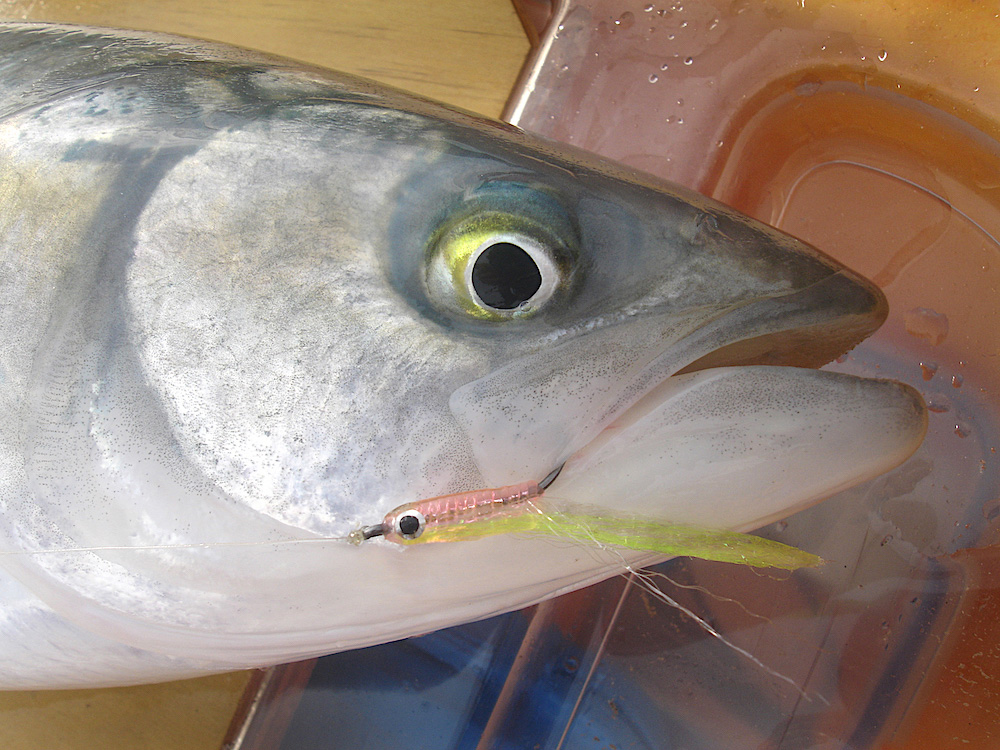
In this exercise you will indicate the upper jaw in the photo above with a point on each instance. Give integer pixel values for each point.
(805, 328)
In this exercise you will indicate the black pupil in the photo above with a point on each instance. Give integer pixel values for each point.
(409, 525)
(505, 276)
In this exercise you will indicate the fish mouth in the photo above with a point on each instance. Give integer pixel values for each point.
(707, 387)
(749, 433)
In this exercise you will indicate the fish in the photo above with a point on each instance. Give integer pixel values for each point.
(250, 307)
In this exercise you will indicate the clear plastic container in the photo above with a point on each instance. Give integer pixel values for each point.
(870, 130)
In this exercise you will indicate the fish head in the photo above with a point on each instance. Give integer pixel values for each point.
(374, 300)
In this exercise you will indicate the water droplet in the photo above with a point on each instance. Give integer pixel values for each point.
(720, 144)
(680, 120)
(928, 369)
(648, 8)
(653, 78)
(975, 88)
(961, 430)
(991, 509)
(627, 21)
(887, 539)
(684, 24)
(664, 66)
(688, 60)
(925, 323)
(957, 380)
(668, 119)
(882, 55)
(938, 405)
(713, 24)
(680, 102)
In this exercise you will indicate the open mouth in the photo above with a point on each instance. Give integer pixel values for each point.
(707, 416)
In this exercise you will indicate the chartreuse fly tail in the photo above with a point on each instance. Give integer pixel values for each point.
(649, 535)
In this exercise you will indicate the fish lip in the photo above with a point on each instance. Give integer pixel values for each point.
(808, 327)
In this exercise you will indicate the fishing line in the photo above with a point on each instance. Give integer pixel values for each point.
(646, 579)
(655, 590)
(702, 590)
(595, 662)
(736, 602)
(179, 546)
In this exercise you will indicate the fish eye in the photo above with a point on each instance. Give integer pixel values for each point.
(501, 259)
(410, 524)
(505, 276)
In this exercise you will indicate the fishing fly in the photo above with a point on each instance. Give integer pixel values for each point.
(526, 508)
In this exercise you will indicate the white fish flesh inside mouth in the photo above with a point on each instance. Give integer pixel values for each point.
(246, 302)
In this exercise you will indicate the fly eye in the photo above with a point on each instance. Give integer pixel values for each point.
(504, 255)
(410, 524)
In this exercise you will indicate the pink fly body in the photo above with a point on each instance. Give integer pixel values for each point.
(408, 521)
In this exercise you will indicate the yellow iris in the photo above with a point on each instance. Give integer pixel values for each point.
(455, 248)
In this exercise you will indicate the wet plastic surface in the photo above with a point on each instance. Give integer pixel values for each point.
(860, 130)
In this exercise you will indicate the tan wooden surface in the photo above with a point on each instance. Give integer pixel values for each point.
(464, 53)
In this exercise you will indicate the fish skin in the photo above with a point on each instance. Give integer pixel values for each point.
(218, 331)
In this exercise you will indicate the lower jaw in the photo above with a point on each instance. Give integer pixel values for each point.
(738, 447)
